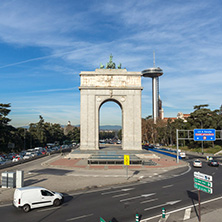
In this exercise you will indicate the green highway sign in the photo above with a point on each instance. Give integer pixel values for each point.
(203, 182)
(203, 188)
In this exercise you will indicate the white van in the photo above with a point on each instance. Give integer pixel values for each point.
(183, 155)
(33, 197)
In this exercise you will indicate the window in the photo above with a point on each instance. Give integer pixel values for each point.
(46, 193)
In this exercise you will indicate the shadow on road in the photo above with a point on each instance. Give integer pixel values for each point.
(67, 198)
(33, 181)
(58, 172)
(194, 197)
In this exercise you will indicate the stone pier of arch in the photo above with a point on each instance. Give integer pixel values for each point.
(117, 85)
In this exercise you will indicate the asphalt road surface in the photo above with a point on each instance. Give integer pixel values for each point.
(122, 203)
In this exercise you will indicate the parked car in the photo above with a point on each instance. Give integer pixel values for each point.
(44, 152)
(27, 156)
(17, 158)
(2, 160)
(213, 163)
(10, 156)
(29, 198)
(197, 163)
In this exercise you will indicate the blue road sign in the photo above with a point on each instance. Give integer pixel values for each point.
(204, 135)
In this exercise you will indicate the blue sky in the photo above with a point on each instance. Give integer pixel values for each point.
(45, 44)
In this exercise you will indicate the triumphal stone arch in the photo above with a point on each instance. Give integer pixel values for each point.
(110, 84)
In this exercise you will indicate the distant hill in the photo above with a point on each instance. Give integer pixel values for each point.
(105, 127)
(110, 127)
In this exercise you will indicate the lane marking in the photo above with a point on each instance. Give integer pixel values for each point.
(127, 189)
(5, 205)
(47, 209)
(117, 191)
(164, 219)
(167, 186)
(147, 201)
(96, 175)
(137, 197)
(183, 208)
(80, 217)
(132, 198)
(120, 195)
(161, 205)
(189, 169)
(187, 214)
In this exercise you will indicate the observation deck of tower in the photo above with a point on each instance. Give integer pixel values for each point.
(154, 73)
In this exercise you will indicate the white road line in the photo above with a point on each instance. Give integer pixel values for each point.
(47, 209)
(147, 201)
(131, 198)
(141, 196)
(161, 205)
(117, 191)
(5, 205)
(187, 214)
(183, 208)
(189, 169)
(80, 217)
(167, 186)
(164, 219)
(120, 195)
(90, 175)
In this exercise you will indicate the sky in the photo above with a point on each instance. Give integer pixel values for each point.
(45, 44)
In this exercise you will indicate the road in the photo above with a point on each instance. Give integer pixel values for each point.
(121, 203)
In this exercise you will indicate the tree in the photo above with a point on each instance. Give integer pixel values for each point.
(4, 127)
(149, 130)
(74, 135)
(119, 134)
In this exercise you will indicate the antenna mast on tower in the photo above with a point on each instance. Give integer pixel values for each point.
(153, 59)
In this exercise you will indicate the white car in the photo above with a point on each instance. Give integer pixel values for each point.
(28, 198)
(27, 156)
(197, 163)
(17, 158)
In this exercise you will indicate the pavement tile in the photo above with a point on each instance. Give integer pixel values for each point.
(115, 167)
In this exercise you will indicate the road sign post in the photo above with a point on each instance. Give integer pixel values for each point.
(126, 163)
(202, 182)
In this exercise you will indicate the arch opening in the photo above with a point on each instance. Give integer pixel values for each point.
(110, 125)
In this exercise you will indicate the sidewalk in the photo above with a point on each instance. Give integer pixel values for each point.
(214, 216)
